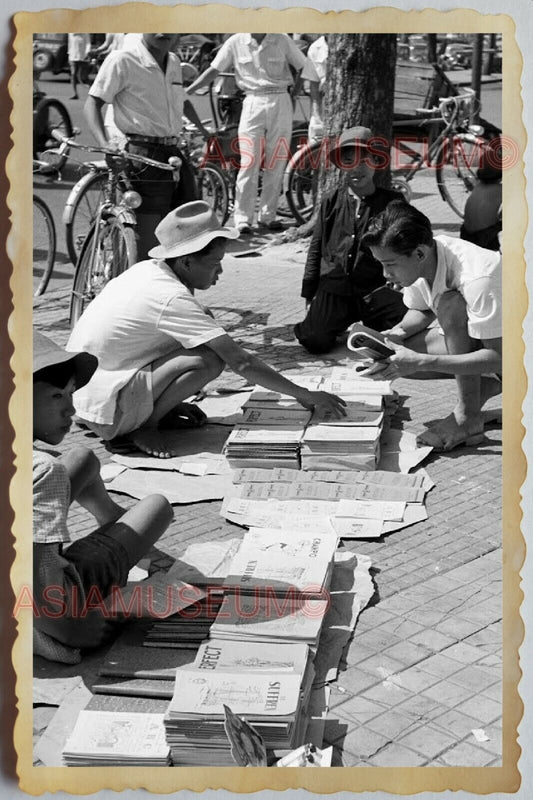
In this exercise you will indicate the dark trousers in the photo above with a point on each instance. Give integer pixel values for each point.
(159, 191)
(331, 314)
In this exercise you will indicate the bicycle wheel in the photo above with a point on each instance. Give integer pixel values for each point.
(302, 182)
(50, 114)
(108, 250)
(81, 207)
(44, 244)
(214, 190)
(456, 165)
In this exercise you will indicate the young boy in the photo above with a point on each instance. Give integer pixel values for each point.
(64, 579)
(459, 285)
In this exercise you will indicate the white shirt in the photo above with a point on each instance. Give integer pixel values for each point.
(79, 45)
(263, 66)
(146, 100)
(139, 316)
(475, 273)
(318, 55)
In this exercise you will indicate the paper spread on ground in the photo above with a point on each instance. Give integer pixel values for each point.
(52, 691)
(49, 747)
(400, 452)
(350, 591)
(202, 463)
(224, 409)
(176, 487)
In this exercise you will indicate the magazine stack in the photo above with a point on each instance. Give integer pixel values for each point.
(267, 685)
(117, 739)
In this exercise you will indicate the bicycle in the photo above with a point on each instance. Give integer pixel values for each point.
(44, 229)
(87, 195)
(49, 114)
(455, 151)
(109, 248)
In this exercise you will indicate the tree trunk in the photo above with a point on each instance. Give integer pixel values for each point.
(359, 91)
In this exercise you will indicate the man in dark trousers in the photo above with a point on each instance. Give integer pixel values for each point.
(342, 281)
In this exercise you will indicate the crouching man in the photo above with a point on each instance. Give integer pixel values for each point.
(156, 346)
(458, 284)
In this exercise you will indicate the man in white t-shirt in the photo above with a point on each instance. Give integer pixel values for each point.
(157, 346)
(459, 285)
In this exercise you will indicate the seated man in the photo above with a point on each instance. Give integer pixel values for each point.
(66, 579)
(157, 346)
(342, 282)
(458, 284)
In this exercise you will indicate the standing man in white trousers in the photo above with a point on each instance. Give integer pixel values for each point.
(262, 64)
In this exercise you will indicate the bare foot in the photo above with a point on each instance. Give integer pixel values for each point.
(184, 415)
(449, 433)
(153, 442)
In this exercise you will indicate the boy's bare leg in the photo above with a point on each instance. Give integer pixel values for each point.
(174, 378)
(142, 525)
(88, 488)
(465, 423)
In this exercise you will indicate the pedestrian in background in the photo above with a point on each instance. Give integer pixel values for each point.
(79, 45)
(262, 64)
(143, 83)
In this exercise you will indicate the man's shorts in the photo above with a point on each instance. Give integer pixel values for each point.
(134, 406)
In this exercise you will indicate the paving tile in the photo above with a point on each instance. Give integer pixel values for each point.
(420, 707)
(359, 710)
(427, 740)
(393, 724)
(456, 723)
(387, 693)
(354, 680)
(403, 628)
(447, 693)
(440, 665)
(477, 678)
(457, 627)
(408, 652)
(394, 755)
(361, 742)
(463, 653)
(381, 665)
(483, 708)
(416, 679)
(433, 640)
(493, 692)
(466, 754)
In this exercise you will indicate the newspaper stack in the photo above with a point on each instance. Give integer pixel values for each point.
(268, 686)
(327, 446)
(186, 629)
(264, 446)
(117, 738)
(282, 562)
(267, 619)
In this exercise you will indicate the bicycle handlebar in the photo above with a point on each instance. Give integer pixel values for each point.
(171, 166)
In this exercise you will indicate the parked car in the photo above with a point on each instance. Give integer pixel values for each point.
(50, 52)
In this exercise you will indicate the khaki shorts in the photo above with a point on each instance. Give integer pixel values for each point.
(134, 406)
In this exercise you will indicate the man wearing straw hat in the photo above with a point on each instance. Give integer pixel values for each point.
(157, 346)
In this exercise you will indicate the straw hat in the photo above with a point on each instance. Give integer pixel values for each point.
(47, 353)
(188, 229)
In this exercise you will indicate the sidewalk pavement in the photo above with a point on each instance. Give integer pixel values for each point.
(424, 667)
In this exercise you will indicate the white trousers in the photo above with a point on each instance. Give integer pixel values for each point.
(265, 131)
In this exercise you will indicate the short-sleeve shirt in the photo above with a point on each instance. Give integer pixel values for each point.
(141, 315)
(146, 101)
(476, 273)
(79, 45)
(263, 66)
(51, 499)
